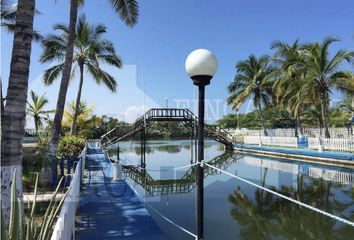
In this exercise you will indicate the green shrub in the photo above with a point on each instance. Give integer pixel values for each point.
(70, 146)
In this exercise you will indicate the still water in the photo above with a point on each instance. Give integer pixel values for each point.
(234, 209)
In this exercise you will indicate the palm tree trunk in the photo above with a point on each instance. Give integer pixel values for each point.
(54, 138)
(36, 123)
(299, 125)
(353, 106)
(13, 127)
(262, 119)
(78, 99)
(2, 100)
(324, 116)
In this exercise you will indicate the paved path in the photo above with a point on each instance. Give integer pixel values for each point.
(110, 209)
(339, 156)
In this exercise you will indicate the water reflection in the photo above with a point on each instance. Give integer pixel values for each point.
(267, 217)
(235, 210)
(167, 183)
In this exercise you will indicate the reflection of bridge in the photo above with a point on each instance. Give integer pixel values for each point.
(175, 186)
(184, 116)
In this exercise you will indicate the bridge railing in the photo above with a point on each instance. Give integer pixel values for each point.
(65, 225)
(165, 114)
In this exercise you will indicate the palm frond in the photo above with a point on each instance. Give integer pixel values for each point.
(128, 11)
(51, 74)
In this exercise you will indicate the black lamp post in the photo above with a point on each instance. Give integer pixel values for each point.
(201, 66)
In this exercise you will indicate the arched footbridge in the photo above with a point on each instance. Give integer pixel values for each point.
(183, 116)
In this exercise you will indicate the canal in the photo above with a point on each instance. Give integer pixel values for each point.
(234, 209)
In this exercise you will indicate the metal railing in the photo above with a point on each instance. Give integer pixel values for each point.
(165, 114)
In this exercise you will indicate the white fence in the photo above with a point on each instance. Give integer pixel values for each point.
(290, 132)
(271, 141)
(65, 225)
(333, 144)
(331, 175)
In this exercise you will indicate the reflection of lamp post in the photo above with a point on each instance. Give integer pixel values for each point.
(201, 66)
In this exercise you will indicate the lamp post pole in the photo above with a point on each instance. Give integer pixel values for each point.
(201, 66)
(200, 170)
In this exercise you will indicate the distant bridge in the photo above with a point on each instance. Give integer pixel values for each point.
(184, 116)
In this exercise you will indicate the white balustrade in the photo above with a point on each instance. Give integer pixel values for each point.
(271, 141)
(65, 225)
(333, 144)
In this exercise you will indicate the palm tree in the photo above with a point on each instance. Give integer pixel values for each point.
(13, 127)
(89, 50)
(8, 17)
(35, 109)
(347, 87)
(85, 118)
(254, 78)
(128, 12)
(323, 74)
(289, 88)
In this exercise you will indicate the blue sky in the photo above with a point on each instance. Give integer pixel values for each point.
(169, 30)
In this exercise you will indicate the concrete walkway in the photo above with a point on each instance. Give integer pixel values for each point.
(325, 156)
(110, 209)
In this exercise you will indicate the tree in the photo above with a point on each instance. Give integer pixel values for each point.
(13, 125)
(35, 109)
(254, 78)
(289, 86)
(323, 74)
(85, 118)
(89, 51)
(8, 17)
(128, 12)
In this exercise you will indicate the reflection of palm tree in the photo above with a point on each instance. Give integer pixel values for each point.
(269, 217)
(252, 215)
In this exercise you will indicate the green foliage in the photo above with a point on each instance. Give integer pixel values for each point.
(90, 51)
(35, 109)
(274, 118)
(299, 78)
(70, 146)
(24, 227)
(168, 130)
(43, 138)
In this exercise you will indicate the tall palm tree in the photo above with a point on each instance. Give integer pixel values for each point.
(13, 127)
(254, 78)
(89, 51)
(128, 12)
(35, 109)
(323, 74)
(289, 88)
